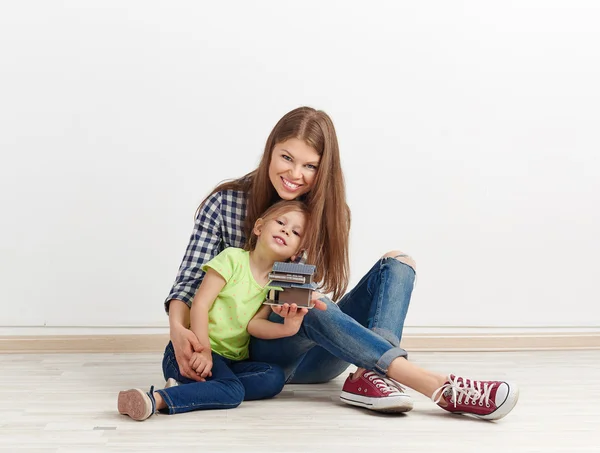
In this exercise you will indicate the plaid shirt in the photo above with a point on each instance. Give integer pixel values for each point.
(219, 225)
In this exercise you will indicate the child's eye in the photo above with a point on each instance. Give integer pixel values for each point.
(296, 233)
(279, 222)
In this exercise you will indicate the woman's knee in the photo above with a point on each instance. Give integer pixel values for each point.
(316, 316)
(169, 364)
(402, 257)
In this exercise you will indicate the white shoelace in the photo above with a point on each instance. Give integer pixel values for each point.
(384, 384)
(472, 392)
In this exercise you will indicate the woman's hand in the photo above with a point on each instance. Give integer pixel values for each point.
(185, 343)
(316, 300)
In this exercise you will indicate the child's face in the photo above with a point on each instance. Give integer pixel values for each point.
(283, 234)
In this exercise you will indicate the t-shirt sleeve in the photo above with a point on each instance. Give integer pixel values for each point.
(224, 263)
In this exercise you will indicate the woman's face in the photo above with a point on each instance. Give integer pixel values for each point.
(293, 168)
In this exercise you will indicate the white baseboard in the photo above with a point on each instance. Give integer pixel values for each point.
(154, 339)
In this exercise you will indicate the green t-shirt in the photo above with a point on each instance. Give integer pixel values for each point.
(236, 304)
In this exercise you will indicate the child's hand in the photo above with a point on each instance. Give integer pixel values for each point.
(293, 317)
(202, 363)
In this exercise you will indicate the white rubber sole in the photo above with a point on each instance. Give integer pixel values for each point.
(401, 403)
(503, 410)
(134, 403)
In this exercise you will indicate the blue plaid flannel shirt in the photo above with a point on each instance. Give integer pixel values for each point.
(218, 225)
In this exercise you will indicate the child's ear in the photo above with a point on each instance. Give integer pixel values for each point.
(258, 226)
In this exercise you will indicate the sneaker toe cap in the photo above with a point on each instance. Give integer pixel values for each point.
(502, 394)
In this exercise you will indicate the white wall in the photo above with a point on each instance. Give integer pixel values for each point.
(468, 130)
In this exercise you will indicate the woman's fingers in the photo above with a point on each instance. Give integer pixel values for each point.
(319, 305)
(317, 299)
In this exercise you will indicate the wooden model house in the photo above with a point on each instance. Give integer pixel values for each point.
(291, 283)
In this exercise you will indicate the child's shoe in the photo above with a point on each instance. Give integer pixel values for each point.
(171, 383)
(136, 403)
(489, 400)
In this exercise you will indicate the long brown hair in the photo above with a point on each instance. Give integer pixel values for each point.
(278, 209)
(327, 239)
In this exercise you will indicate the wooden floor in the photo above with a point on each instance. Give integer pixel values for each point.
(67, 403)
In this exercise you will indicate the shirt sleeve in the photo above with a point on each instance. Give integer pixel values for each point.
(224, 263)
(204, 245)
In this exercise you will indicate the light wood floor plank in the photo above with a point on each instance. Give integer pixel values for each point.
(67, 403)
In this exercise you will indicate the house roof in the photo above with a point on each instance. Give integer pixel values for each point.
(294, 268)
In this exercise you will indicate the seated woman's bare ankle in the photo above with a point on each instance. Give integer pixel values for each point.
(358, 371)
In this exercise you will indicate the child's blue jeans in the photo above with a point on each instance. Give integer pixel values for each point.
(231, 383)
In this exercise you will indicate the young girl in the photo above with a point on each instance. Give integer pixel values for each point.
(301, 161)
(223, 316)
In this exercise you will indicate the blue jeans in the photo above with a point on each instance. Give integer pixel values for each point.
(364, 328)
(231, 383)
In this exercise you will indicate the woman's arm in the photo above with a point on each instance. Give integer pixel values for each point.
(179, 314)
(260, 326)
(203, 246)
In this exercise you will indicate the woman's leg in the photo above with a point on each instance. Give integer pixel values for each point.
(334, 331)
(349, 341)
(378, 302)
(260, 380)
(381, 299)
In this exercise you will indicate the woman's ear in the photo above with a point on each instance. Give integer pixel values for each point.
(258, 226)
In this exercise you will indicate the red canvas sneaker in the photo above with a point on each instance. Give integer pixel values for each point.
(369, 390)
(490, 400)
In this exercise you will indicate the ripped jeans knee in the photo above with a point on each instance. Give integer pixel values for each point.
(403, 258)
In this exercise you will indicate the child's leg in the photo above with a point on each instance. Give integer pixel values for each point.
(260, 380)
(221, 391)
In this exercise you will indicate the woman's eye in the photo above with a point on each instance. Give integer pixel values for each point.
(311, 167)
(286, 157)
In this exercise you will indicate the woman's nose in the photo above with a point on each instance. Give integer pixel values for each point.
(296, 172)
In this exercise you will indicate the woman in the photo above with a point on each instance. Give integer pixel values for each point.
(301, 161)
